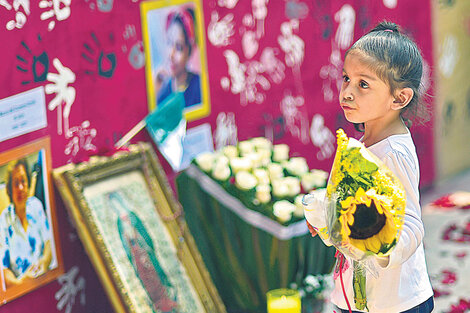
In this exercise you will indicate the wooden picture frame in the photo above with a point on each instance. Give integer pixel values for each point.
(26, 188)
(132, 229)
(156, 18)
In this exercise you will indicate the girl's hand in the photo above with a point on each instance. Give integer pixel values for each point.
(312, 230)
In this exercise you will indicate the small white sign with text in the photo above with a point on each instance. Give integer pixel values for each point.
(22, 113)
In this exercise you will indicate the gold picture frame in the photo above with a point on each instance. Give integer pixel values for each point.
(27, 170)
(132, 229)
(157, 16)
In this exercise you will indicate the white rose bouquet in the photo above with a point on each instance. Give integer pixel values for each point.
(263, 177)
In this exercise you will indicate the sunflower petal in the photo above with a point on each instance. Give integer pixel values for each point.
(378, 206)
(350, 218)
(347, 203)
(345, 230)
(360, 192)
(359, 244)
(373, 244)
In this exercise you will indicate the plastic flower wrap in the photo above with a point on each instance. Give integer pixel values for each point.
(362, 210)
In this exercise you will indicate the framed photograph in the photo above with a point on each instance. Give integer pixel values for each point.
(29, 241)
(175, 53)
(133, 231)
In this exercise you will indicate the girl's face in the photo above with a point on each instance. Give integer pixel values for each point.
(364, 97)
(178, 50)
(19, 186)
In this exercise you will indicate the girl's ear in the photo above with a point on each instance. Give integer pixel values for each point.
(402, 99)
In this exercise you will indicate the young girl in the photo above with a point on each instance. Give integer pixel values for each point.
(381, 84)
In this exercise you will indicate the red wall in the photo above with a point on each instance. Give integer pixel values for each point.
(291, 98)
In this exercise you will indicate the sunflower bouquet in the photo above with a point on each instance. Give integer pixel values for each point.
(363, 209)
(365, 202)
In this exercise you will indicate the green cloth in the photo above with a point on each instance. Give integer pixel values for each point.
(245, 262)
(164, 119)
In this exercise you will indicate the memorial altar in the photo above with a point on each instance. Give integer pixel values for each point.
(247, 253)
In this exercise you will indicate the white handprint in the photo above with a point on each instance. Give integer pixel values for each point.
(332, 75)
(260, 11)
(291, 44)
(229, 4)
(293, 116)
(226, 131)
(64, 93)
(220, 31)
(66, 295)
(249, 44)
(449, 55)
(391, 4)
(18, 22)
(272, 65)
(294, 49)
(346, 18)
(21, 3)
(253, 79)
(5, 4)
(60, 9)
(322, 137)
(20, 17)
(236, 70)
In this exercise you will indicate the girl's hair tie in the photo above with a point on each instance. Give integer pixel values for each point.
(388, 30)
(187, 22)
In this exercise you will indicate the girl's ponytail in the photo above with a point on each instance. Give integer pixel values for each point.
(386, 26)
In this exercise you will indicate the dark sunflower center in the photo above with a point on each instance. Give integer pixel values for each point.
(367, 222)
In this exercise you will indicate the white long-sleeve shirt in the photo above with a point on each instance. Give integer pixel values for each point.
(404, 282)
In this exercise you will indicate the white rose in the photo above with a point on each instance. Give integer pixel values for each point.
(221, 171)
(246, 147)
(280, 152)
(230, 151)
(321, 175)
(220, 160)
(240, 164)
(245, 181)
(314, 179)
(263, 193)
(280, 188)
(293, 184)
(262, 176)
(308, 182)
(255, 158)
(283, 210)
(205, 161)
(275, 171)
(261, 143)
(297, 166)
(299, 207)
(265, 156)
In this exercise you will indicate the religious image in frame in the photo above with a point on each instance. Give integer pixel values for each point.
(131, 228)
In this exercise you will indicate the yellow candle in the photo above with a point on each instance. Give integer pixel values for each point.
(283, 301)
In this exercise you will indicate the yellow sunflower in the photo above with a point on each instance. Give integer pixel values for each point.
(367, 222)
